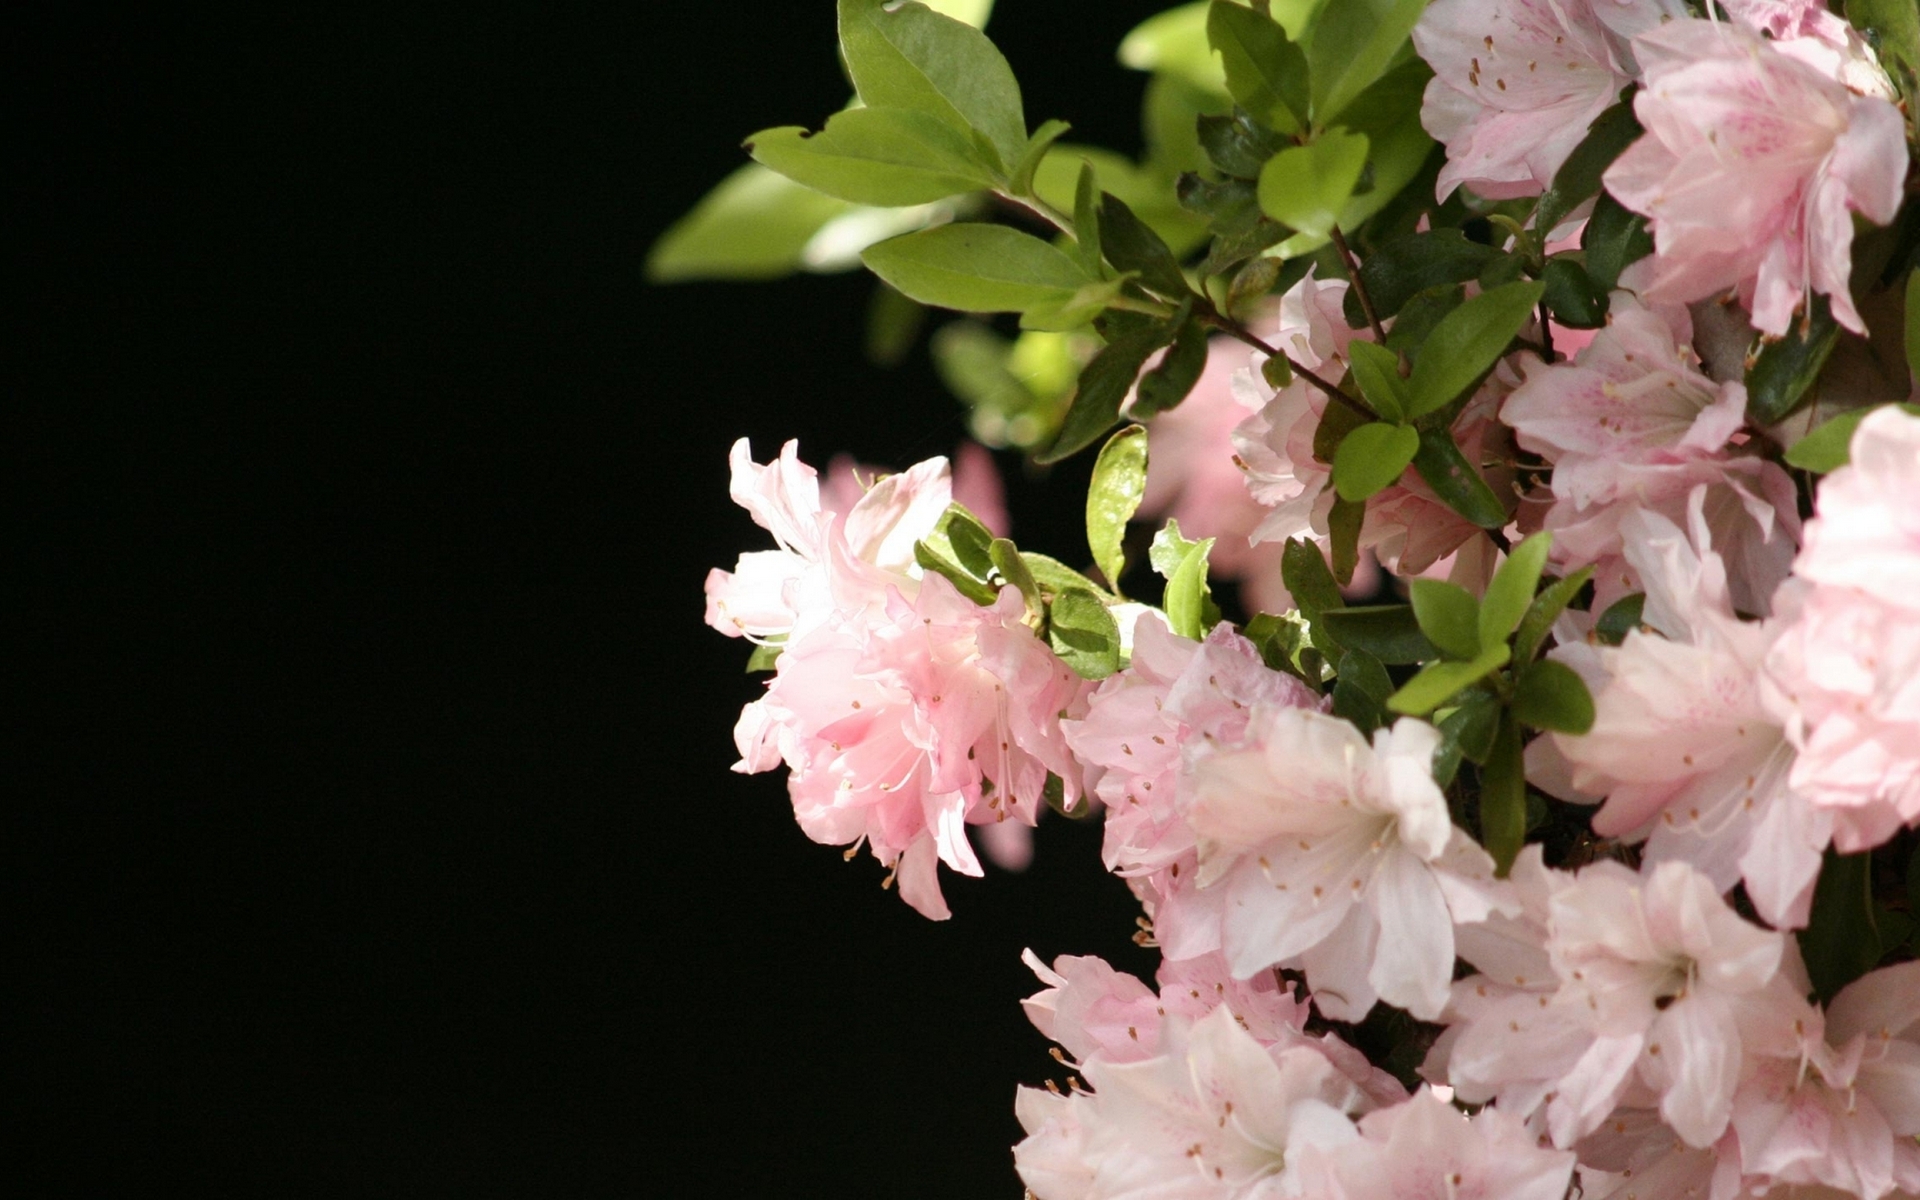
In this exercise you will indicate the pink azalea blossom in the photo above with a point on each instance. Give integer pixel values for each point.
(1427, 1148)
(1407, 526)
(898, 730)
(1176, 693)
(1341, 856)
(828, 560)
(1750, 170)
(1515, 85)
(1865, 534)
(1684, 746)
(1214, 1115)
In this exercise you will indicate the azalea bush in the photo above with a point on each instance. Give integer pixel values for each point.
(1495, 653)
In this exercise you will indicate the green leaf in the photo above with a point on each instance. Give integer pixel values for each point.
(1621, 618)
(1113, 496)
(1055, 576)
(1402, 267)
(1503, 798)
(1082, 631)
(1130, 246)
(1144, 191)
(1467, 731)
(1467, 343)
(1449, 616)
(1371, 458)
(1579, 176)
(960, 537)
(1510, 592)
(1389, 632)
(1549, 695)
(1266, 73)
(1237, 144)
(914, 58)
(973, 12)
(1377, 370)
(1086, 220)
(1175, 42)
(1168, 383)
(976, 268)
(1075, 311)
(893, 325)
(1020, 180)
(1360, 690)
(1780, 370)
(763, 658)
(1344, 520)
(880, 156)
(1438, 682)
(1841, 942)
(1354, 42)
(1572, 296)
(754, 225)
(1544, 611)
(1419, 316)
(1183, 563)
(1304, 571)
(1252, 281)
(1613, 239)
(1453, 478)
(1308, 186)
(1104, 383)
(931, 559)
(1829, 446)
(1007, 561)
(1894, 27)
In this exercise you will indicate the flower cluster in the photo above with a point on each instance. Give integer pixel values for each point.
(1586, 858)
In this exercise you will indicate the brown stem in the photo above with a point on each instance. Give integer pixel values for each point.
(1234, 330)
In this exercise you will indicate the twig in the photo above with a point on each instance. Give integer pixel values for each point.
(1359, 289)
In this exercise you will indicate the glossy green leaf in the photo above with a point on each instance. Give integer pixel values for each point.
(1613, 239)
(1474, 724)
(1175, 42)
(1281, 638)
(1572, 296)
(1829, 446)
(1438, 682)
(1419, 316)
(962, 538)
(1360, 690)
(1353, 44)
(976, 268)
(1086, 220)
(1549, 695)
(1893, 25)
(1510, 592)
(1389, 632)
(1238, 145)
(1402, 267)
(912, 57)
(973, 12)
(1448, 615)
(1188, 601)
(1306, 187)
(1020, 179)
(755, 225)
(1578, 178)
(1783, 369)
(1266, 73)
(1455, 480)
(1075, 311)
(1503, 798)
(1371, 458)
(1172, 378)
(1113, 496)
(881, 156)
(1083, 632)
(1055, 576)
(1009, 566)
(1467, 343)
(1130, 245)
(1544, 611)
(1344, 520)
(1377, 370)
(1144, 191)
(1841, 941)
(1104, 383)
(1304, 571)
(763, 658)
(1621, 618)
(931, 559)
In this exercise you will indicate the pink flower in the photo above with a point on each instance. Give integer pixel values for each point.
(1176, 693)
(1515, 85)
(1865, 534)
(898, 730)
(1750, 169)
(1684, 746)
(1426, 1147)
(1341, 856)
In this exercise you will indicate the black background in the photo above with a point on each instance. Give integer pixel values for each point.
(376, 834)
